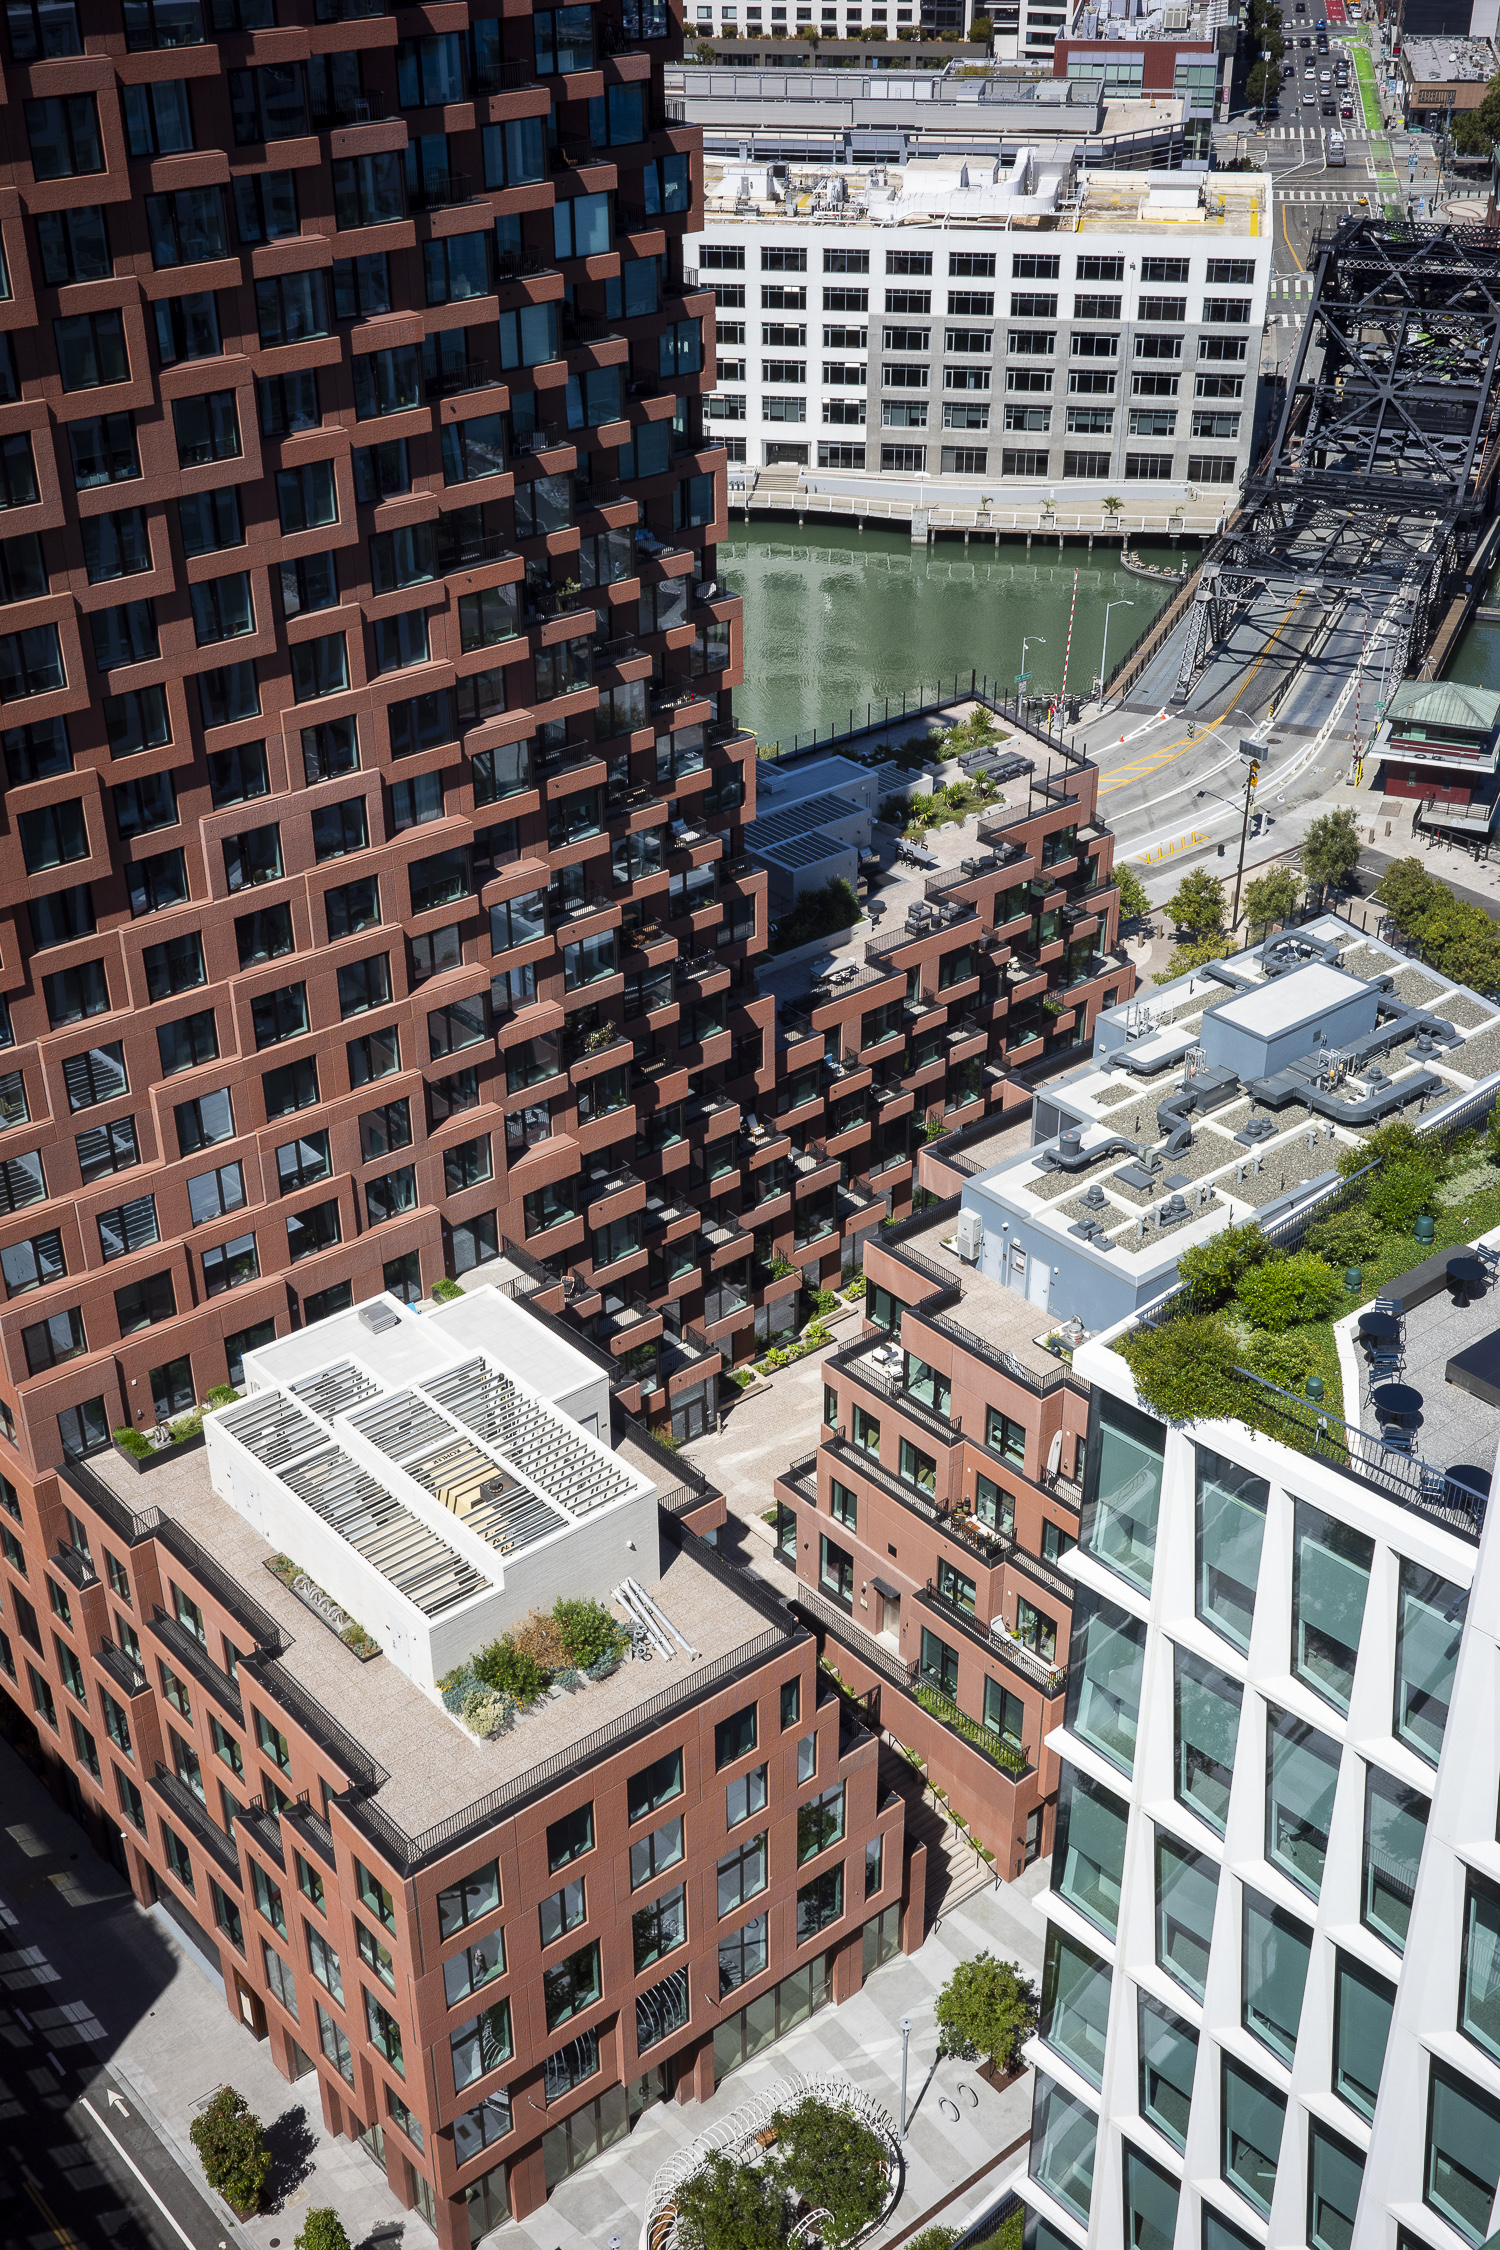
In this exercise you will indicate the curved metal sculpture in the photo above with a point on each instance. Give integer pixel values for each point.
(744, 2137)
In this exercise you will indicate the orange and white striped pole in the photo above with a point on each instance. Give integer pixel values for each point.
(1072, 606)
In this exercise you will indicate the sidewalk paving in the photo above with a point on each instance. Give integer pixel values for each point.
(961, 2124)
(168, 2037)
(164, 2028)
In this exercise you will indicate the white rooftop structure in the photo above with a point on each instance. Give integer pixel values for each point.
(439, 1475)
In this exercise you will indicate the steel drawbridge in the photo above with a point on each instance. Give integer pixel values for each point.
(1380, 478)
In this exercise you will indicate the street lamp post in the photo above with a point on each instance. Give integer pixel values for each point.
(906, 2025)
(1119, 603)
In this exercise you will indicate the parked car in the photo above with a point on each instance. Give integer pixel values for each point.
(1347, 110)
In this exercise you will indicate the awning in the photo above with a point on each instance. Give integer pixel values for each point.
(891, 1593)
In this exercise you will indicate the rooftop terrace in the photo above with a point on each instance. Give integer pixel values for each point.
(1225, 1096)
(436, 1771)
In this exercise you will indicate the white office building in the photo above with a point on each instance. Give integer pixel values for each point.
(1015, 331)
(1271, 2005)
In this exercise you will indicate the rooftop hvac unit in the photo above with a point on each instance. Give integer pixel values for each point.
(969, 1234)
(377, 1317)
(1175, 19)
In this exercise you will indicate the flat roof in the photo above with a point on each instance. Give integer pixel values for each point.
(1316, 987)
(436, 1767)
(997, 1316)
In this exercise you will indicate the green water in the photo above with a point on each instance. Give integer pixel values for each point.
(835, 619)
(1475, 661)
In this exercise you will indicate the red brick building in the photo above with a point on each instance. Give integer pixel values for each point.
(926, 1530)
(373, 784)
(494, 1956)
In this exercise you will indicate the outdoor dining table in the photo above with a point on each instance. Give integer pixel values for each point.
(1465, 1277)
(1397, 1402)
(1379, 1328)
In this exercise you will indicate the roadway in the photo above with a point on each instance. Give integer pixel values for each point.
(83, 2169)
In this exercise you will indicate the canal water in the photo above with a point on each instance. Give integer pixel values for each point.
(836, 619)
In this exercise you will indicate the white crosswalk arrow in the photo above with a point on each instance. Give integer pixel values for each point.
(116, 2103)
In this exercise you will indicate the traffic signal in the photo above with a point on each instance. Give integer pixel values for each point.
(1254, 773)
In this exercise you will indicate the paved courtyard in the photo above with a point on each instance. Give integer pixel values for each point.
(159, 2020)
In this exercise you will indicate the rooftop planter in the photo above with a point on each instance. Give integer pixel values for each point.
(184, 1435)
(576, 1643)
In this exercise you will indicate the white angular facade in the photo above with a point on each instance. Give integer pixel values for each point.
(1271, 2009)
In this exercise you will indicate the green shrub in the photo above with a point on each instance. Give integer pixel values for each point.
(322, 2230)
(988, 2008)
(1284, 1291)
(487, 1712)
(187, 1426)
(833, 2160)
(855, 1289)
(824, 1301)
(725, 2206)
(510, 1671)
(1284, 1360)
(1186, 1370)
(444, 1291)
(222, 1394)
(1212, 1270)
(455, 1688)
(589, 1632)
(1347, 1239)
(1399, 1194)
(234, 2156)
(132, 1442)
(817, 914)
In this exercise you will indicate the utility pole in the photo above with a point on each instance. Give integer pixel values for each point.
(1251, 752)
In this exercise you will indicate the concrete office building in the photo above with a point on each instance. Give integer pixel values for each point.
(493, 1953)
(850, 111)
(1269, 2010)
(1024, 333)
(368, 685)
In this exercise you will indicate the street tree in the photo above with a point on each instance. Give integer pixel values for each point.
(1197, 905)
(1271, 898)
(987, 2008)
(1330, 851)
(1134, 904)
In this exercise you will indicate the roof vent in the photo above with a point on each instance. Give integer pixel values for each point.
(378, 1316)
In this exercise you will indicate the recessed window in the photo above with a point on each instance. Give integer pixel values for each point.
(1252, 2116)
(1395, 1830)
(1363, 2004)
(1187, 1884)
(1275, 1950)
(1302, 1770)
(1075, 2003)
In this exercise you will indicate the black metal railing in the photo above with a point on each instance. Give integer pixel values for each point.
(188, 1652)
(196, 1816)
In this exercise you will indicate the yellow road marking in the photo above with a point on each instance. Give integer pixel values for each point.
(1140, 769)
(1286, 238)
(68, 2241)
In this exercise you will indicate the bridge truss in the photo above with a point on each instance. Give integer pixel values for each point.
(1380, 478)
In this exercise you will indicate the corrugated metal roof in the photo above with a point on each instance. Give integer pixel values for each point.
(1445, 703)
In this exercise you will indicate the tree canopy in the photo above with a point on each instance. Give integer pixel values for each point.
(1271, 898)
(987, 2008)
(1197, 904)
(1458, 939)
(1330, 850)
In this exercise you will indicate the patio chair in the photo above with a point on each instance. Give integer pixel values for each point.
(1396, 1441)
